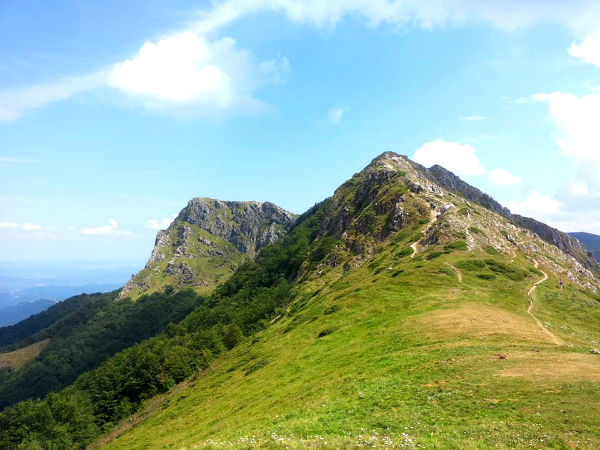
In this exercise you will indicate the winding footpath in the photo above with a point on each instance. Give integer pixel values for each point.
(555, 339)
(432, 219)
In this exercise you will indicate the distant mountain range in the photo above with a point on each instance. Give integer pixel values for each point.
(590, 241)
(15, 313)
(17, 306)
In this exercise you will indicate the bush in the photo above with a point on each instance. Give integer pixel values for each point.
(470, 265)
(492, 250)
(486, 276)
(512, 273)
(456, 245)
(475, 230)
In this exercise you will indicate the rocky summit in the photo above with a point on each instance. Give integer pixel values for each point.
(206, 242)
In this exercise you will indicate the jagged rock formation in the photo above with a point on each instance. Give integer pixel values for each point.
(207, 241)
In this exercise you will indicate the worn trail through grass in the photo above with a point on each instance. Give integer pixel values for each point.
(555, 339)
(432, 219)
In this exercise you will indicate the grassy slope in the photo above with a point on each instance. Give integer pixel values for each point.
(413, 356)
(209, 269)
(17, 359)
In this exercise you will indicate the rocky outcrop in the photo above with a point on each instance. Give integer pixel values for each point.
(249, 226)
(206, 242)
(563, 241)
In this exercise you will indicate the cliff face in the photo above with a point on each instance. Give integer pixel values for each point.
(207, 241)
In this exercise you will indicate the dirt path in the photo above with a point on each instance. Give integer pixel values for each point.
(432, 219)
(555, 339)
(456, 271)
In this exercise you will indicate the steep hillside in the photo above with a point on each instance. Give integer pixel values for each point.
(207, 241)
(590, 241)
(32, 325)
(419, 327)
(397, 314)
(82, 339)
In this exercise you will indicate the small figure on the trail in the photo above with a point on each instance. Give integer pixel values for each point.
(469, 214)
(560, 283)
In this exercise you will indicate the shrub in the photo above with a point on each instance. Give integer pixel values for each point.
(233, 335)
(486, 276)
(513, 273)
(325, 332)
(475, 230)
(491, 250)
(456, 245)
(470, 265)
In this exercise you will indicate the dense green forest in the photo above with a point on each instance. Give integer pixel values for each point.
(24, 332)
(85, 337)
(101, 398)
(31, 330)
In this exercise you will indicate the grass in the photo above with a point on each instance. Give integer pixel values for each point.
(17, 359)
(405, 358)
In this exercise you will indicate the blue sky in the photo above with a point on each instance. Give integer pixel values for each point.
(112, 117)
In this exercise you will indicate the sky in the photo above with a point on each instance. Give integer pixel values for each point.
(114, 114)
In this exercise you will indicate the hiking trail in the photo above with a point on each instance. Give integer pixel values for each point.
(555, 339)
(433, 216)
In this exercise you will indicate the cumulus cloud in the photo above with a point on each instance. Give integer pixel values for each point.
(576, 121)
(501, 177)
(588, 50)
(336, 114)
(536, 205)
(190, 70)
(112, 228)
(161, 224)
(458, 158)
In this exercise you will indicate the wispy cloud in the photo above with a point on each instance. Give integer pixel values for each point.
(16, 102)
(473, 118)
(7, 160)
(336, 114)
(17, 226)
(112, 228)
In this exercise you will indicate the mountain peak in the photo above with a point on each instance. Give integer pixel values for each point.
(206, 242)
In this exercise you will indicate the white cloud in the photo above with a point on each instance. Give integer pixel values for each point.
(111, 229)
(458, 158)
(576, 120)
(588, 50)
(336, 114)
(190, 70)
(504, 14)
(15, 102)
(472, 118)
(161, 224)
(535, 205)
(501, 177)
(17, 226)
